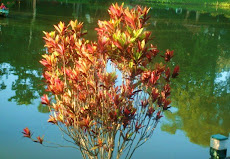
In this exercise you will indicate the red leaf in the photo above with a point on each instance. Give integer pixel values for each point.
(137, 126)
(167, 74)
(155, 94)
(158, 115)
(27, 132)
(150, 111)
(175, 72)
(39, 139)
(45, 100)
(144, 103)
(166, 103)
(168, 55)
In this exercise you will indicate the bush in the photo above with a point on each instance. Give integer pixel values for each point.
(101, 118)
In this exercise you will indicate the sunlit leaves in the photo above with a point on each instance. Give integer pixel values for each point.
(86, 99)
(125, 39)
(60, 28)
(52, 120)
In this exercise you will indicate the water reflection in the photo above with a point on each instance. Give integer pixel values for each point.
(200, 40)
(22, 45)
(21, 62)
(201, 94)
(3, 72)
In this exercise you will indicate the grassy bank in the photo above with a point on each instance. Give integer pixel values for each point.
(219, 3)
(223, 7)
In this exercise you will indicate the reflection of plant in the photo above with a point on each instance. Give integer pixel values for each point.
(2, 84)
(100, 117)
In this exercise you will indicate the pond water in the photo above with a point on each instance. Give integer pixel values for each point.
(200, 96)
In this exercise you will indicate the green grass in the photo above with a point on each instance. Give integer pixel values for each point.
(190, 5)
(220, 3)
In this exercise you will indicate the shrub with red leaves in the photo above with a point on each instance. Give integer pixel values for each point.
(87, 105)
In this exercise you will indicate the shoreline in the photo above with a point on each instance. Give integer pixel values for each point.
(221, 5)
(203, 8)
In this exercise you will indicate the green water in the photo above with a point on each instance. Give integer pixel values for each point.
(200, 96)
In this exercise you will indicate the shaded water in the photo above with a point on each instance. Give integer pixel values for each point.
(201, 95)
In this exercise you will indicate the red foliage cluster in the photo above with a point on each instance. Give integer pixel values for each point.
(86, 98)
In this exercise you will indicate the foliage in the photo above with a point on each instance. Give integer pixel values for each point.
(101, 118)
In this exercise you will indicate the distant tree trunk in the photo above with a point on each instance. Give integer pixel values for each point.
(187, 15)
(197, 16)
(76, 10)
(32, 22)
(19, 5)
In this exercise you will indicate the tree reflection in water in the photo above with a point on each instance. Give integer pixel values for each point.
(21, 44)
(202, 94)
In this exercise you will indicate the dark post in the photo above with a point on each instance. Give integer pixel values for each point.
(218, 146)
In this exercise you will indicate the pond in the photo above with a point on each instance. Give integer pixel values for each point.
(200, 96)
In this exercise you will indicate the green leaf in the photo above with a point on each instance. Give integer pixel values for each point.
(56, 53)
(115, 37)
(129, 29)
(131, 64)
(117, 111)
(137, 55)
(138, 32)
(142, 44)
(94, 148)
(52, 34)
(132, 40)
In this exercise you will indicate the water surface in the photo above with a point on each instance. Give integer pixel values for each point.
(201, 105)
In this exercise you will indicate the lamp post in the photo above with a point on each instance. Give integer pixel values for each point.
(218, 146)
